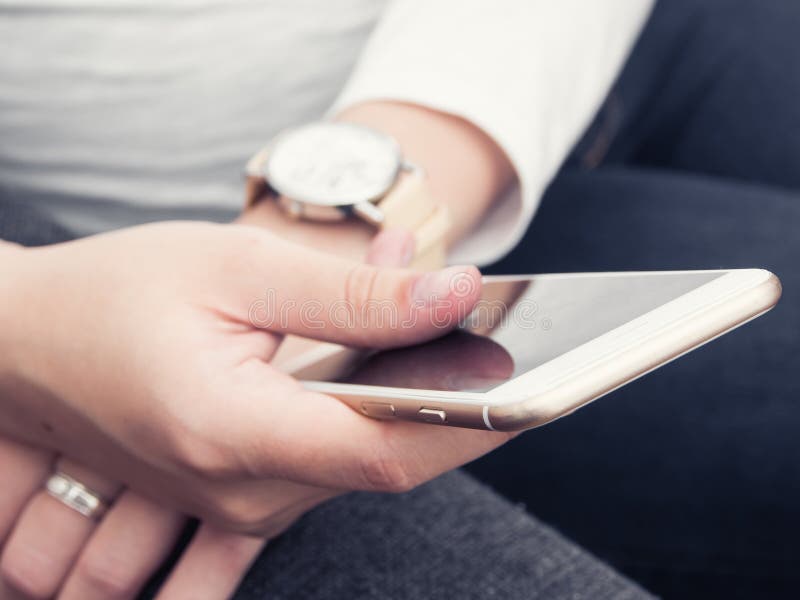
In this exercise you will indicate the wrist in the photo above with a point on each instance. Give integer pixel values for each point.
(8, 250)
(348, 239)
(14, 289)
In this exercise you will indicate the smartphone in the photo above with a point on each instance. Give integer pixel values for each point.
(538, 347)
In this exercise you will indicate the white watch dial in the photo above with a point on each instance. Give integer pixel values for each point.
(333, 164)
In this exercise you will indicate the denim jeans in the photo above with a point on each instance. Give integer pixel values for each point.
(688, 479)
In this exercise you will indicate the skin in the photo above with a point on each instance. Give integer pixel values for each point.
(250, 470)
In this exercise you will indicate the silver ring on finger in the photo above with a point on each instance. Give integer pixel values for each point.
(75, 495)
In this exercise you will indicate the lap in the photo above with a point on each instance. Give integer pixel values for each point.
(451, 538)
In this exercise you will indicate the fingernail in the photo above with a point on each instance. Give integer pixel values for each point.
(439, 285)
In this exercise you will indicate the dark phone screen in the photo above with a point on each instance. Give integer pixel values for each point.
(522, 323)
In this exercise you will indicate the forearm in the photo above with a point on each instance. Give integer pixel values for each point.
(11, 286)
(20, 307)
(36, 305)
(466, 170)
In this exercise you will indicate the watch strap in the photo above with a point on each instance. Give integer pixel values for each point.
(255, 184)
(411, 205)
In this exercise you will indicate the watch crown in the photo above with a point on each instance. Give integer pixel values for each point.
(294, 208)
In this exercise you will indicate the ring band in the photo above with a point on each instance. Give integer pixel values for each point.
(75, 495)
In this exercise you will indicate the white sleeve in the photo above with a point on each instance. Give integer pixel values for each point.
(530, 73)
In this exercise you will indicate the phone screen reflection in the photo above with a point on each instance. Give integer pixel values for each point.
(523, 322)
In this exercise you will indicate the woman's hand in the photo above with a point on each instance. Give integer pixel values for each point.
(136, 353)
(49, 550)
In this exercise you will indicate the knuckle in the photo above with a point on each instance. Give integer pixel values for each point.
(195, 451)
(384, 472)
(204, 460)
(379, 309)
(24, 574)
(359, 286)
(107, 575)
(187, 436)
(235, 512)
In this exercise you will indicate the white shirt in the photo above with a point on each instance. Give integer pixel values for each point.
(117, 111)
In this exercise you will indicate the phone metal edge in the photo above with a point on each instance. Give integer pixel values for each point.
(519, 411)
(693, 331)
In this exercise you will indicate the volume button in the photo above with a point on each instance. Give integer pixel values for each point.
(432, 415)
(378, 410)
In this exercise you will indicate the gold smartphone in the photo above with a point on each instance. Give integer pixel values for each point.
(537, 347)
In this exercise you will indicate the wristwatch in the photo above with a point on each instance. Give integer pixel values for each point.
(331, 171)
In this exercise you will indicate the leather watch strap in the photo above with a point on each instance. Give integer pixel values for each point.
(410, 205)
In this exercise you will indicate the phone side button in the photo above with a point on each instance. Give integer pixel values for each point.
(432, 415)
(378, 410)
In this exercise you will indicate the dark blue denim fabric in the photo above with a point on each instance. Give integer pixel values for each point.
(689, 479)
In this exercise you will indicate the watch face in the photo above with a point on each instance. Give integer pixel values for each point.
(333, 164)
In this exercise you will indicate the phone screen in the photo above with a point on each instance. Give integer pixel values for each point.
(522, 323)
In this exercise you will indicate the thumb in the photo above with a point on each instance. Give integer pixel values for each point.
(316, 295)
